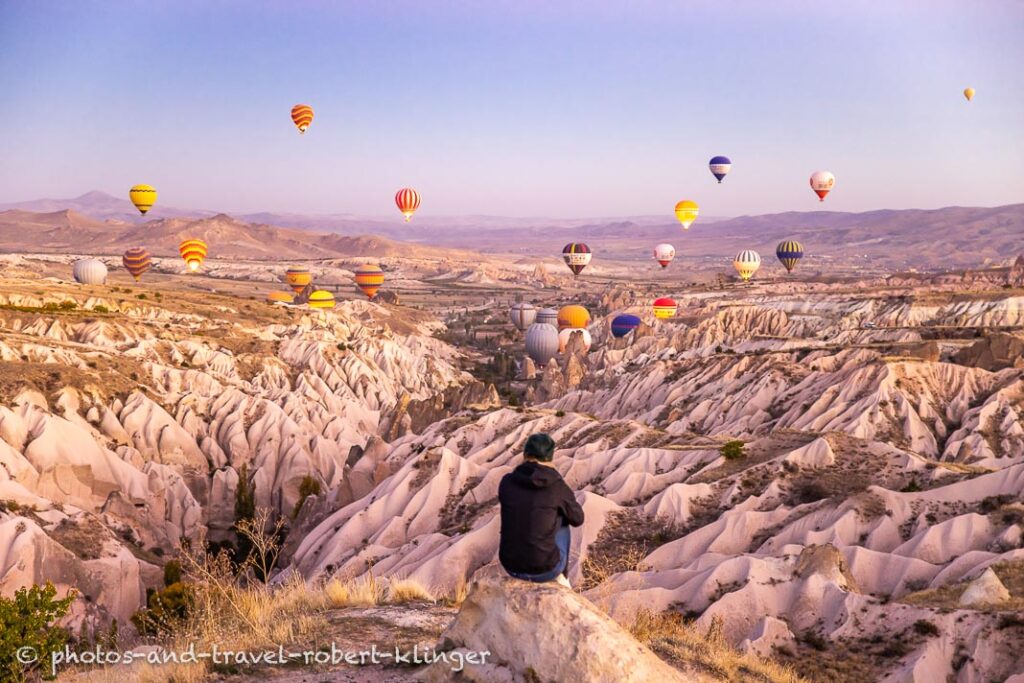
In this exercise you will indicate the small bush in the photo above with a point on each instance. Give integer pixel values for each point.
(142, 297)
(172, 572)
(100, 308)
(924, 627)
(559, 413)
(26, 620)
(733, 450)
(309, 486)
(165, 609)
(814, 640)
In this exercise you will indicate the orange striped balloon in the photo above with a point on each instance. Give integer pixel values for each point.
(302, 116)
(193, 251)
(321, 299)
(298, 277)
(136, 261)
(408, 200)
(369, 278)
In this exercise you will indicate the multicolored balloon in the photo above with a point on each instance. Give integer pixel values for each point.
(573, 316)
(969, 93)
(143, 197)
(523, 315)
(547, 316)
(746, 263)
(719, 167)
(686, 212)
(369, 279)
(302, 116)
(136, 261)
(298, 277)
(89, 271)
(664, 253)
(408, 200)
(822, 183)
(321, 298)
(194, 252)
(789, 253)
(577, 256)
(665, 307)
(624, 324)
(566, 334)
(541, 343)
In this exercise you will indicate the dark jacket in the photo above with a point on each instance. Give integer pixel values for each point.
(535, 501)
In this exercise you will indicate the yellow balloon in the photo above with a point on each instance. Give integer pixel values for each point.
(143, 197)
(969, 93)
(686, 212)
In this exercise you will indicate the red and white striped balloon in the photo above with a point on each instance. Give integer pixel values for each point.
(408, 200)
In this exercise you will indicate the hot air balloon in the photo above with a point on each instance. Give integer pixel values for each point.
(789, 252)
(302, 116)
(686, 212)
(298, 277)
(136, 261)
(194, 252)
(719, 167)
(746, 263)
(665, 307)
(523, 315)
(664, 253)
(573, 316)
(369, 278)
(408, 200)
(969, 93)
(547, 316)
(566, 334)
(541, 342)
(821, 183)
(143, 197)
(624, 324)
(280, 297)
(89, 271)
(321, 299)
(577, 256)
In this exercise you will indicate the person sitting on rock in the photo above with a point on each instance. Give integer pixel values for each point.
(537, 509)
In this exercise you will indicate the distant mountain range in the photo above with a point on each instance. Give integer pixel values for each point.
(933, 239)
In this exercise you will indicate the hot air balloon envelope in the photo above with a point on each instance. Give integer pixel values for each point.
(407, 200)
(719, 167)
(665, 307)
(547, 316)
(624, 324)
(143, 197)
(686, 212)
(136, 261)
(789, 253)
(577, 256)
(523, 315)
(89, 271)
(193, 251)
(566, 334)
(298, 277)
(664, 253)
(369, 279)
(969, 93)
(302, 116)
(822, 183)
(573, 316)
(541, 342)
(746, 263)
(321, 299)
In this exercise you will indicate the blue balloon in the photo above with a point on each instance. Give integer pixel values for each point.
(719, 166)
(624, 324)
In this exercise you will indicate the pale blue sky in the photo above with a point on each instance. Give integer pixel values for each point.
(513, 107)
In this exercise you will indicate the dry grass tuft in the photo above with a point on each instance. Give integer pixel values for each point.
(407, 590)
(686, 647)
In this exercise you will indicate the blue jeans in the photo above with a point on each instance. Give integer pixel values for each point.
(562, 540)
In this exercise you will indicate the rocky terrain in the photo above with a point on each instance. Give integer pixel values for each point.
(829, 473)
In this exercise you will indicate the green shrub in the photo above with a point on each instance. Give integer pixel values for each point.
(172, 572)
(925, 628)
(100, 308)
(733, 450)
(307, 487)
(26, 620)
(141, 296)
(164, 609)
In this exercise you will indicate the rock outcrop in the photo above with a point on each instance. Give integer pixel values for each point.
(544, 632)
